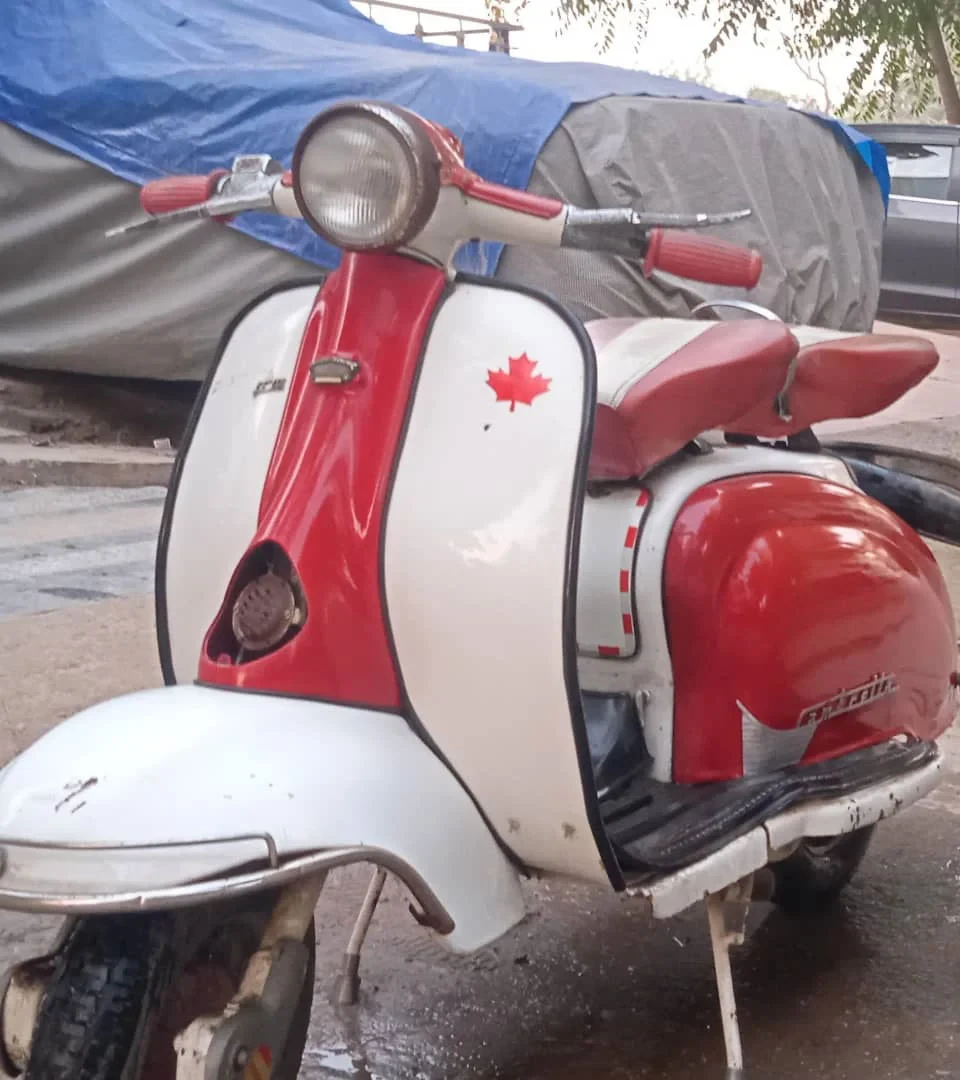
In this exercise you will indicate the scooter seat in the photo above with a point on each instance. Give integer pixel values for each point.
(843, 378)
(663, 382)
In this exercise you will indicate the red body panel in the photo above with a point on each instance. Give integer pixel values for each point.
(454, 171)
(326, 488)
(782, 591)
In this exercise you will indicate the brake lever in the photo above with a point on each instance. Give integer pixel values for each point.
(687, 221)
(624, 231)
(189, 213)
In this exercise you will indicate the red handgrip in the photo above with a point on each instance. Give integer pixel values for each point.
(178, 192)
(702, 258)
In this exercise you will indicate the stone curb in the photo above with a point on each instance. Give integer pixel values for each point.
(24, 465)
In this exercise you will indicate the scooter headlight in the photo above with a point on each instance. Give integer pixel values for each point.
(366, 176)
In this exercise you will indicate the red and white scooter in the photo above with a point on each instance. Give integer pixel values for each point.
(451, 585)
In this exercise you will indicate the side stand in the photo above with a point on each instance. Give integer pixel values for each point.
(727, 915)
(347, 988)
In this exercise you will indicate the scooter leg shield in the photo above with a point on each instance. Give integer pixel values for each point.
(174, 796)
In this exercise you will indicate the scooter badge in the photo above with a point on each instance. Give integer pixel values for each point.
(519, 384)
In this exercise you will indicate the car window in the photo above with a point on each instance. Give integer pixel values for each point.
(920, 171)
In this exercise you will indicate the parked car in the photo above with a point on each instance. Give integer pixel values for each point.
(921, 246)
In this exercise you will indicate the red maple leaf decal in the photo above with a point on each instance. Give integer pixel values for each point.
(519, 384)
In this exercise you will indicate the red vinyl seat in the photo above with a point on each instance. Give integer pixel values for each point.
(728, 377)
(705, 384)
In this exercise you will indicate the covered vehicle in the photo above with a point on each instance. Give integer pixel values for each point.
(95, 99)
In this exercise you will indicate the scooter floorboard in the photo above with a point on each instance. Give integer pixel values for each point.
(658, 828)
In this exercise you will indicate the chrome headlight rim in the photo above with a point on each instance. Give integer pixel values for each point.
(419, 153)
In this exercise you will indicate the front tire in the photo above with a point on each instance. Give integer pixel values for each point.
(127, 984)
(811, 879)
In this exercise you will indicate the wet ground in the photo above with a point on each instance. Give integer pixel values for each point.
(588, 986)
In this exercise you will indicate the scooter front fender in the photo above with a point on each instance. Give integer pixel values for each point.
(175, 796)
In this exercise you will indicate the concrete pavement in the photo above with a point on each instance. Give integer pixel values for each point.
(67, 545)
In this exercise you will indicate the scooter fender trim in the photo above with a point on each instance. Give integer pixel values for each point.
(171, 796)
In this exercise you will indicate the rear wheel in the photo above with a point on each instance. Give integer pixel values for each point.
(812, 878)
(127, 984)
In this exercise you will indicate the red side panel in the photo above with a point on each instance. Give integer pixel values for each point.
(850, 377)
(325, 493)
(781, 593)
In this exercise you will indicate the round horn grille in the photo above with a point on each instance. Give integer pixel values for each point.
(263, 612)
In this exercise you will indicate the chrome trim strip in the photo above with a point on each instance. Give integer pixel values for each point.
(740, 305)
(921, 199)
(433, 913)
(273, 855)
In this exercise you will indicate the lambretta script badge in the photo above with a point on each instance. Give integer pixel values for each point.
(269, 386)
(880, 686)
(766, 748)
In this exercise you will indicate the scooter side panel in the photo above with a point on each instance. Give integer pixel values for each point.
(826, 620)
(480, 565)
(214, 496)
(651, 669)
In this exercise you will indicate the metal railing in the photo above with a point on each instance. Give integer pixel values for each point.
(498, 29)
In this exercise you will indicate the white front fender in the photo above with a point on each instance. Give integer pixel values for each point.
(141, 795)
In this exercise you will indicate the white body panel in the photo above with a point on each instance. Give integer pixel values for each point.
(475, 563)
(186, 764)
(669, 488)
(606, 623)
(221, 481)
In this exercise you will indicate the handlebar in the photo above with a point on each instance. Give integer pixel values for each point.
(259, 183)
(702, 258)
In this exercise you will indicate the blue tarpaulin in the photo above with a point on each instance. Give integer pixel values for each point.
(145, 88)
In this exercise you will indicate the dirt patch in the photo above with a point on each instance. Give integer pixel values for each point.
(50, 408)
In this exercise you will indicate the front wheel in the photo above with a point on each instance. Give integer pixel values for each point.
(126, 985)
(812, 878)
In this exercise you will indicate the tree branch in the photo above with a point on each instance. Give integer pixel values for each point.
(946, 80)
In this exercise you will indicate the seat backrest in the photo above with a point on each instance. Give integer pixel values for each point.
(843, 378)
